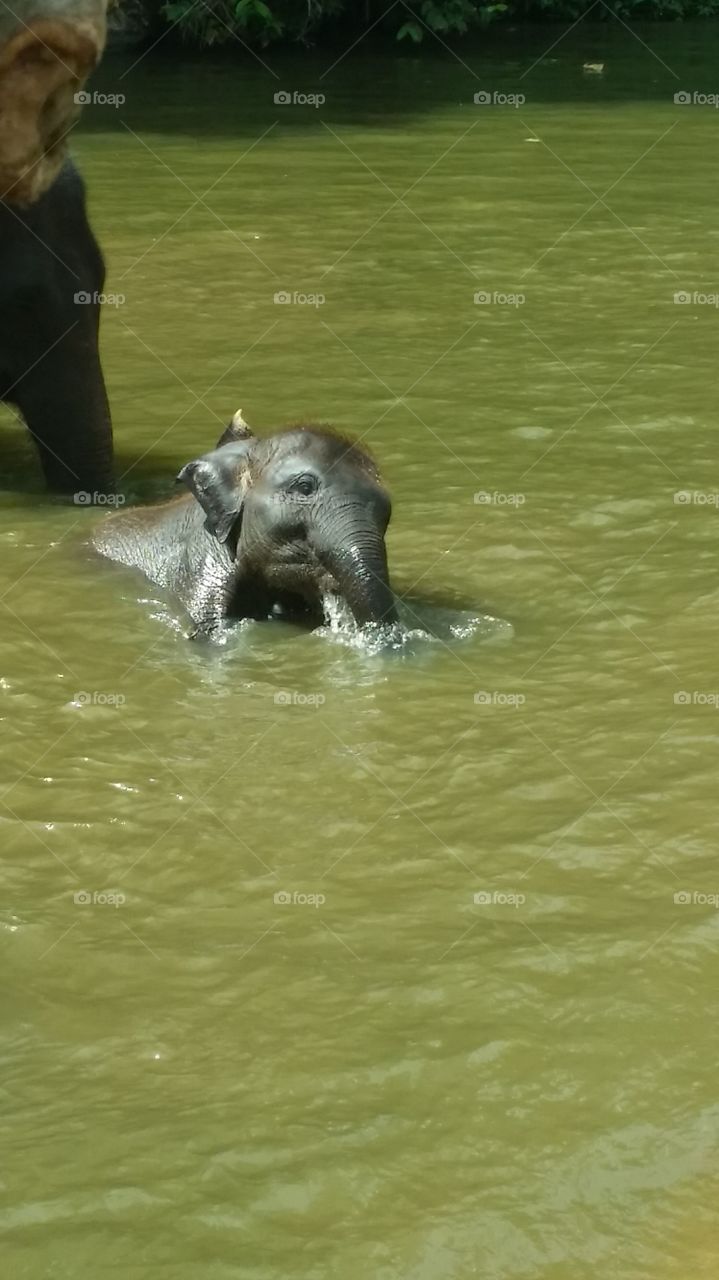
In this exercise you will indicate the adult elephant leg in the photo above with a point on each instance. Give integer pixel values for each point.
(64, 403)
(51, 275)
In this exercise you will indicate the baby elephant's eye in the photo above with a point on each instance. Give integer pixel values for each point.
(304, 485)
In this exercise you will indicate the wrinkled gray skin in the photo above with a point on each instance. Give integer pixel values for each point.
(47, 50)
(270, 526)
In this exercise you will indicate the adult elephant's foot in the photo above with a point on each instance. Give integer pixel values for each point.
(89, 489)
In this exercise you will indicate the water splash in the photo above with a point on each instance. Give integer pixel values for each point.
(338, 615)
(419, 624)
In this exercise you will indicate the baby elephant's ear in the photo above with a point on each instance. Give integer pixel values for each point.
(215, 480)
(237, 429)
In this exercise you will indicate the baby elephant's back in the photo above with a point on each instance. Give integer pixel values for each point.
(150, 538)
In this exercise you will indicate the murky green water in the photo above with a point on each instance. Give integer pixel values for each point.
(384, 1077)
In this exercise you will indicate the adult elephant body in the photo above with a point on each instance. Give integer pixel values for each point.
(270, 525)
(50, 264)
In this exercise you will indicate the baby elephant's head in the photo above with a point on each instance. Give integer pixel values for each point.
(302, 511)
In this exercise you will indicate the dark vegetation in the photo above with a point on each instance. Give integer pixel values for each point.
(263, 22)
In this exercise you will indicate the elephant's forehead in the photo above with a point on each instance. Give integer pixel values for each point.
(316, 445)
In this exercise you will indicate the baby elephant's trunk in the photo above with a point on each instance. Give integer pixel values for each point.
(355, 555)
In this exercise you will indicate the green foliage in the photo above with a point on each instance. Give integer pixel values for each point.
(260, 22)
(452, 15)
(212, 22)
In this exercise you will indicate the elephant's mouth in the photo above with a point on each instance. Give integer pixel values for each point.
(293, 590)
(323, 571)
(303, 590)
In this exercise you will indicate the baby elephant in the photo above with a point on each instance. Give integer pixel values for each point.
(271, 525)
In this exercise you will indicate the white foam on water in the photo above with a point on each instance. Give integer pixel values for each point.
(418, 625)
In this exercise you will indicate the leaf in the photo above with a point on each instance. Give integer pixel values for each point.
(411, 29)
